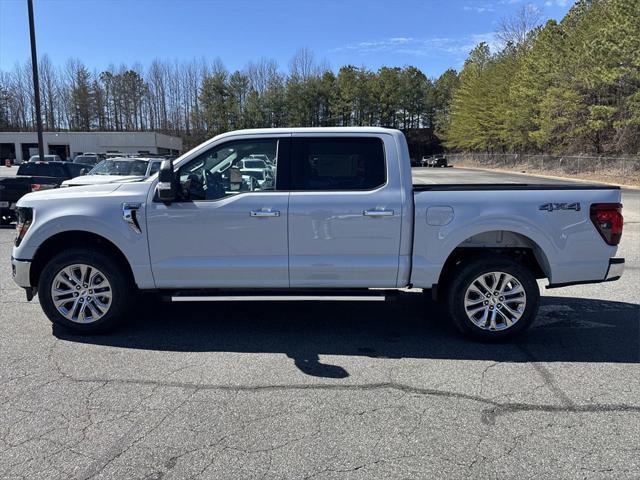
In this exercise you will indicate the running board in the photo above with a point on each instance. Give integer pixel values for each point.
(279, 298)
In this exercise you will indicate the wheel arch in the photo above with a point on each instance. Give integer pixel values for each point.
(499, 242)
(76, 238)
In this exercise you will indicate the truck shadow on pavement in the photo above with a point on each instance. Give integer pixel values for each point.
(566, 330)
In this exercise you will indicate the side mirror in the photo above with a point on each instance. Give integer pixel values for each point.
(83, 171)
(166, 182)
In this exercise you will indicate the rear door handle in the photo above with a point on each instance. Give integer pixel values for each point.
(378, 213)
(260, 213)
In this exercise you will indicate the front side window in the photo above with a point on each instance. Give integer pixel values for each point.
(338, 163)
(229, 169)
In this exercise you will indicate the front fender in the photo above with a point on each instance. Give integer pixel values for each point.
(104, 220)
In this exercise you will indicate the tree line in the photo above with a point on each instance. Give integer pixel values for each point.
(563, 87)
(197, 99)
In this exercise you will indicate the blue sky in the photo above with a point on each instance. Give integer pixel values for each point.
(430, 34)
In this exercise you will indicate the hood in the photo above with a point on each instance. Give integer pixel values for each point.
(101, 179)
(70, 193)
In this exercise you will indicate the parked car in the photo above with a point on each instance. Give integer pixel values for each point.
(253, 163)
(435, 161)
(47, 158)
(33, 176)
(263, 176)
(266, 158)
(342, 222)
(117, 170)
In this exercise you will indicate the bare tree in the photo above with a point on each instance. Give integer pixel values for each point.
(515, 29)
(261, 74)
(302, 65)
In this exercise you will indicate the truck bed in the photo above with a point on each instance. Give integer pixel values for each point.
(421, 187)
(454, 178)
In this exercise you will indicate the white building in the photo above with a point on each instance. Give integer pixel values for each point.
(20, 146)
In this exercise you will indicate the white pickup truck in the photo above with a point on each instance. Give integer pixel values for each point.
(341, 221)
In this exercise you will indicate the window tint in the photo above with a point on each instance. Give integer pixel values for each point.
(75, 169)
(155, 166)
(338, 163)
(223, 170)
(42, 169)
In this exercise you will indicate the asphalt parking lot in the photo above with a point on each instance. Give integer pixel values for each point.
(321, 390)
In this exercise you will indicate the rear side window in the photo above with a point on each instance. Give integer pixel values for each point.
(42, 169)
(338, 163)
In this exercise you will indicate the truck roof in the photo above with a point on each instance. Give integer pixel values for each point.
(283, 131)
(276, 131)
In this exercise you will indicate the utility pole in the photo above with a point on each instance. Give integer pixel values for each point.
(36, 81)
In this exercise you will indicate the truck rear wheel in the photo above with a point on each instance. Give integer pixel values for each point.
(85, 291)
(493, 298)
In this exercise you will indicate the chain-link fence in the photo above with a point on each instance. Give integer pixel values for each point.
(617, 169)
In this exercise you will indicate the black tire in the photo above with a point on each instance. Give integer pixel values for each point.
(467, 273)
(122, 289)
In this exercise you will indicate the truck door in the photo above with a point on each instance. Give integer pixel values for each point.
(227, 229)
(345, 211)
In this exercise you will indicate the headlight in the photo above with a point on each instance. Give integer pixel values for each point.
(25, 218)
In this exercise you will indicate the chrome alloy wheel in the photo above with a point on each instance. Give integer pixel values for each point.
(81, 293)
(495, 301)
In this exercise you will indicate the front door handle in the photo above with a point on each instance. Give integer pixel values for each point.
(260, 213)
(378, 213)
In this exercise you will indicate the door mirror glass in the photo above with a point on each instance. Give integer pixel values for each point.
(166, 182)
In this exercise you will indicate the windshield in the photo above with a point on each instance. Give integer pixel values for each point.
(120, 167)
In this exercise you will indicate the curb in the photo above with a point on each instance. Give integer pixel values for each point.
(552, 177)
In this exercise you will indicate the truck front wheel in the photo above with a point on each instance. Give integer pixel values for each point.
(85, 291)
(493, 298)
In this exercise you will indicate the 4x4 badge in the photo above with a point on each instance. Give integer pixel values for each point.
(552, 207)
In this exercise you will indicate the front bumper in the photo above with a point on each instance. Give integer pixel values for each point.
(21, 272)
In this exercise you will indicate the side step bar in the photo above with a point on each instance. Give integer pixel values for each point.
(278, 298)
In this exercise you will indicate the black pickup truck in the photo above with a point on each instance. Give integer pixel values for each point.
(31, 177)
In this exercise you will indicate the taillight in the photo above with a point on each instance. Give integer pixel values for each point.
(25, 219)
(608, 220)
(35, 187)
